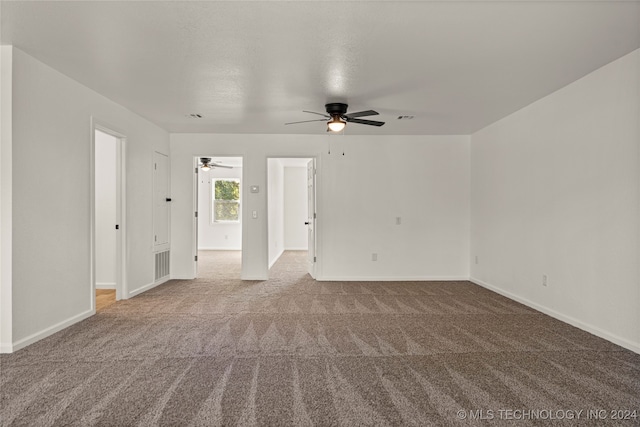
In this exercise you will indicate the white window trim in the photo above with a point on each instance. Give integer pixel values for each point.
(212, 215)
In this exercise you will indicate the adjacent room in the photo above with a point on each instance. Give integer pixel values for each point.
(291, 195)
(320, 213)
(219, 219)
(106, 218)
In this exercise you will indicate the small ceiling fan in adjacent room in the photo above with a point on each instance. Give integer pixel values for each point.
(338, 117)
(206, 164)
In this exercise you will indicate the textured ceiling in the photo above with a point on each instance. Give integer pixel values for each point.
(249, 67)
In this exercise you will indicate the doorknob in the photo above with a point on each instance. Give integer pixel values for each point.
(306, 223)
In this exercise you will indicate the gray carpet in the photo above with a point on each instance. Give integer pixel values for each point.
(291, 351)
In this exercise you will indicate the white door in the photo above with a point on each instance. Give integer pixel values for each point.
(160, 200)
(311, 216)
(108, 261)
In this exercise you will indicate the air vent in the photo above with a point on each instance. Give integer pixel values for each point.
(405, 117)
(194, 116)
(162, 265)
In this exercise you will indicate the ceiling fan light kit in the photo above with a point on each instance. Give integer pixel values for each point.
(336, 124)
(204, 163)
(338, 117)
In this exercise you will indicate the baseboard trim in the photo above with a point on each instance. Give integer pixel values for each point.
(147, 287)
(259, 278)
(276, 259)
(622, 342)
(50, 330)
(105, 285)
(178, 277)
(6, 348)
(297, 249)
(392, 279)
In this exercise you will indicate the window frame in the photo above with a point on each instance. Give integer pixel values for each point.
(213, 201)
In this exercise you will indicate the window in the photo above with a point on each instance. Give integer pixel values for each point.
(226, 200)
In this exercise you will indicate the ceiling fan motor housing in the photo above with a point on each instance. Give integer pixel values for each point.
(336, 108)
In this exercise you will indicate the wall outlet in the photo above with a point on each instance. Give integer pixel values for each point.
(374, 257)
(544, 280)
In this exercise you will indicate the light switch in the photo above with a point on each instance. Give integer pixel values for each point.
(254, 189)
(254, 214)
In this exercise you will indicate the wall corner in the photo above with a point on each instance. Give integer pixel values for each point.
(6, 187)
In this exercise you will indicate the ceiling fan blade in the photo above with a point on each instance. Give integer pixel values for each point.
(364, 122)
(320, 114)
(362, 114)
(306, 121)
(218, 165)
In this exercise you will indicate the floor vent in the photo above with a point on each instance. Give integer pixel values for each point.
(162, 265)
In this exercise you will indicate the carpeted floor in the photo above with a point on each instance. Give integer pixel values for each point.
(291, 351)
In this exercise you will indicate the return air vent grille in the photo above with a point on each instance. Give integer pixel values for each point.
(162, 265)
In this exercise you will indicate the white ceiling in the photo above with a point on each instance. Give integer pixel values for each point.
(249, 67)
(293, 162)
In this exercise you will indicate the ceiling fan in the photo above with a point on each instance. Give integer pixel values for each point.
(338, 117)
(206, 164)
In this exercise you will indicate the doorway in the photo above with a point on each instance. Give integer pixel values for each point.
(108, 240)
(291, 209)
(218, 218)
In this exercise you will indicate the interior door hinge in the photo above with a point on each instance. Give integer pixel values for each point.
(155, 166)
(314, 215)
(196, 257)
(155, 238)
(314, 259)
(196, 214)
(196, 170)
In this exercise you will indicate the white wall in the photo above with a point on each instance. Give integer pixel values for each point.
(6, 187)
(275, 197)
(216, 236)
(51, 122)
(556, 191)
(105, 210)
(295, 208)
(422, 179)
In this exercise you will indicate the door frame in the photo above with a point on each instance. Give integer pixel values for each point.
(312, 266)
(121, 236)
(315, 158)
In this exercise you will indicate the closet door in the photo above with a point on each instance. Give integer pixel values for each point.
(161, 204)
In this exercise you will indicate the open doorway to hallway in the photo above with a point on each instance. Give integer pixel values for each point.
(219, 216)
(291, 218)
(108, 268)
